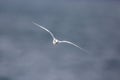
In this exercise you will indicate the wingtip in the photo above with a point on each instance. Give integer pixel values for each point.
(33, 22)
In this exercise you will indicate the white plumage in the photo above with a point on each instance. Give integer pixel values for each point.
(56, 41)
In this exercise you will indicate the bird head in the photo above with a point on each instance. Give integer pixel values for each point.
(55, 41)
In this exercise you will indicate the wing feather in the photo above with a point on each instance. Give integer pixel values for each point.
(44, 29)
(73, 45)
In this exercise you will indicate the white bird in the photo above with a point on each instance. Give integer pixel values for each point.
(56, 41)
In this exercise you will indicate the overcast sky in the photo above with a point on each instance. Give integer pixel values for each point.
(27, 53)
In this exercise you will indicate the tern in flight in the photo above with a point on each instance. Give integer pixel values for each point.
(56, 41)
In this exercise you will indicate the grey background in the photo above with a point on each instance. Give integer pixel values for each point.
(26, 51)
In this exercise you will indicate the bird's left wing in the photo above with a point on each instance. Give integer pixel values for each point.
(73, 45)
(44, 29)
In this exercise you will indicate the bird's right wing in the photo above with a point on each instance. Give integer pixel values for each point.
(73, 45)
(44, 29)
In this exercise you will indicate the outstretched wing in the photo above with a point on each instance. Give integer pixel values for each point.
(44, 29)
(73, 45)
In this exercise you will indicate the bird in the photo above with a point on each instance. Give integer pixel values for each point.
(55, 40)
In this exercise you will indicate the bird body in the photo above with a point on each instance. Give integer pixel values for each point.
(56, 41)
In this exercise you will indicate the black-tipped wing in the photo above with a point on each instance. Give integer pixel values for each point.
(44, 29)
(73, 45)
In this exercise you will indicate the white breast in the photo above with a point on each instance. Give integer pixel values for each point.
(55, 41)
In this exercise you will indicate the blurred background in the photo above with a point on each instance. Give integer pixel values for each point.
(27, 53)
